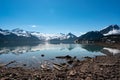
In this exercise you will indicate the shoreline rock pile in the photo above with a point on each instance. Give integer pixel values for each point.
(98, 68)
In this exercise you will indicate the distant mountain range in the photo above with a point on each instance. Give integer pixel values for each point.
(19, 35)
(110, 34)
(68, 38)
(16, 36)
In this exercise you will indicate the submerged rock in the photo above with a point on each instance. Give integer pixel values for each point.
(24, 64)
(70, 61)
(42, 55)
(64, 57)
(87, 57)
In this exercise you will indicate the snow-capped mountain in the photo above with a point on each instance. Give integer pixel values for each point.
(16, 36)
(20, 32)
(111, 30)
(45, 36)
(70, 35)
(17, 31)
(64, 38)
(41, 36)
(4, 32)
(109, 34)
(60, 36)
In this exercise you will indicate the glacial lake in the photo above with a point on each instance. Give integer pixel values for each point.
(34, 55)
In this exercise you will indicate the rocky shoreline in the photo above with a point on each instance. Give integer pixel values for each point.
(97, 68)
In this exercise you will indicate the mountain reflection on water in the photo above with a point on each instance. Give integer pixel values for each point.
(32, 48)
(19, 49)
(92, 47)
(104, 50)
(31, 54)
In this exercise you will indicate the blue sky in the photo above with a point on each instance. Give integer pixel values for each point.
(59, 16)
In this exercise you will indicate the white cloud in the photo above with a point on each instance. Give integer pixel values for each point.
(34, 26)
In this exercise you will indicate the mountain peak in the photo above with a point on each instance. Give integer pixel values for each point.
(20, 32)
(110, 28)
(114, 26)
(4, 32)
(70, 35)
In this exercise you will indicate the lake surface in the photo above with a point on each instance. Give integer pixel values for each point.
(35, 55)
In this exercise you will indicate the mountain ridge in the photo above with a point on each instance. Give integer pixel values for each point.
(109, 34)
(40, 36)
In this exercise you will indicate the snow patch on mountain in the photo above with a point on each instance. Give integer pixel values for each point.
(4, 32)
(20, 32)
(45, 36)
(41, 36)
(112, 32)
